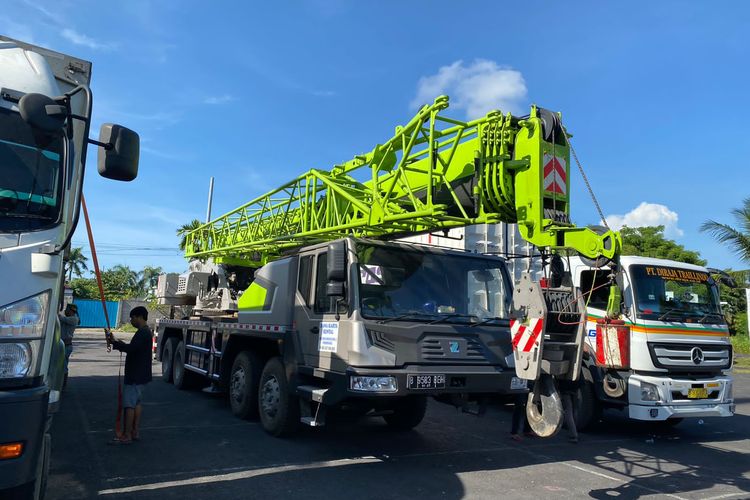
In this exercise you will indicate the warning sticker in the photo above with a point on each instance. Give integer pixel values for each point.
(329, 336)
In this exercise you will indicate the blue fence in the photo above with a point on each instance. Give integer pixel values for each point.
(92, 314)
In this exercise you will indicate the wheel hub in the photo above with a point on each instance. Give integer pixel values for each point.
(237, 384)
(270, 396)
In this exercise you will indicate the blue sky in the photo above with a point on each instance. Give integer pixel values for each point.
(254, 93)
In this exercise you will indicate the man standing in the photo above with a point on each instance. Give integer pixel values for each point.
(68, 323)
(137, 372)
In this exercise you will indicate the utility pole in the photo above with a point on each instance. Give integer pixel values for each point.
(210, 199)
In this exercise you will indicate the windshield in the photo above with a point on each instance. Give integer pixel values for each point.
(408, 285)
(674, 294)
(31, 166)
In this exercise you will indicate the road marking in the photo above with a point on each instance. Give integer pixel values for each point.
(728, 495)
(246, 474)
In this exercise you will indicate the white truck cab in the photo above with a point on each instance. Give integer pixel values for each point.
(670, 358)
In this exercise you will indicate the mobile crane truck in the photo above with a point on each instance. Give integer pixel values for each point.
(301, 306)
(45, 115)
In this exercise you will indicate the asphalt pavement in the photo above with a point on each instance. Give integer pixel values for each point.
(192, 447)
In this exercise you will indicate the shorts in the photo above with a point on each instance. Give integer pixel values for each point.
(132, 394)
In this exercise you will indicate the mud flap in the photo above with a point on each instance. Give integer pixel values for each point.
(544, 409)
(527, 327)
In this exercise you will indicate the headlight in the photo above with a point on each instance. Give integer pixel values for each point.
(22, 326)
(649, 392)
(15, 360)
(25, 318)
(373, 384)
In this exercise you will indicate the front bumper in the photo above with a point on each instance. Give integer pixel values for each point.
(458, 380)
(24, 418)
(674, 402)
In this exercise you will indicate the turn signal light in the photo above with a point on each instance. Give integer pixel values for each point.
(10, 450)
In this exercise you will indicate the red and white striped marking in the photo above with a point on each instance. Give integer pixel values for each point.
(555, 176)
(525, 337)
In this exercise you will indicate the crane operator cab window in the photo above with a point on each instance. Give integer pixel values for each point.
(419, 285)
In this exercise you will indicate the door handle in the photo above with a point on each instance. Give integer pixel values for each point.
(315, 330)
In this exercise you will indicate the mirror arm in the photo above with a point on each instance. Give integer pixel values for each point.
(106, 145)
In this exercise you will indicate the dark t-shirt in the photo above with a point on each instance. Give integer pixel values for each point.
(138, 359)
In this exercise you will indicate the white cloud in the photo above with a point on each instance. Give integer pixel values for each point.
(478, 88)
(218, 99)
(648, 214)
(80, 39)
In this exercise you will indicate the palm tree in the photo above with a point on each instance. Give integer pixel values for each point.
(737, 239)
(186, 228)
(147, 280)
(76, 263)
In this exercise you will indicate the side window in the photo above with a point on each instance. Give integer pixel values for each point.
(598, 280)
(305, 278)
(322, 301)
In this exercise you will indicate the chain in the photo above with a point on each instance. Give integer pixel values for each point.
(586, 180)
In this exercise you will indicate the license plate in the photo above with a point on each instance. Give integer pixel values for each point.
(517, 383)
(699, 393)
(425, 381)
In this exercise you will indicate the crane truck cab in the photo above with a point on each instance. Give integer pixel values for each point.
(45, 114)
(361, 325)
(669, 357)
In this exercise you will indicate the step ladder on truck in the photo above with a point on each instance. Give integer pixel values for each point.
(303, 303)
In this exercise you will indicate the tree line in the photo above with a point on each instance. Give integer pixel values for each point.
(119, 282)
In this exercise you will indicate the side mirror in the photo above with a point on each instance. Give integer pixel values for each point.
(118, 157)
(337, 261)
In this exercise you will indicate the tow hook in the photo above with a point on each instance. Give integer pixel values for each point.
(544, 408)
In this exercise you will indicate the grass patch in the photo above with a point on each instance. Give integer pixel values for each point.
(741, 344)
(127, 328)
(742, 365)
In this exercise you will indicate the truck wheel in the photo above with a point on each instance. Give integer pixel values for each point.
(183, 379)
(167, 359)
(243, 385)
(408, 413)
(588, 410)
(277, 404)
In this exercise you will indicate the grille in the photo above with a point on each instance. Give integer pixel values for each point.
(438, 349)
(680, 356)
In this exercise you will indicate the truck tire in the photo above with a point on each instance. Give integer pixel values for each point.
(588, 410)
(278, 406)
(407, 413)
(183, 379)
(167, 359)
(243, 385)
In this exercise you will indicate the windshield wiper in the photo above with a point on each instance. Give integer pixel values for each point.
(27, 216)
(670, 311)
(406, 315)
(489, 320)
(710, 314)
(452, 315)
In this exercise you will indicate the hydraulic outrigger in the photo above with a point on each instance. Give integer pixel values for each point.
(437, 173)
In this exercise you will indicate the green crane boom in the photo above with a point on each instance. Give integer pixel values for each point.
(434, 173)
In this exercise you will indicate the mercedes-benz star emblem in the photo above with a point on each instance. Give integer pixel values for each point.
(696, 355)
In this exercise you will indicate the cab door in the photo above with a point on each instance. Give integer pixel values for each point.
(314, 316)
